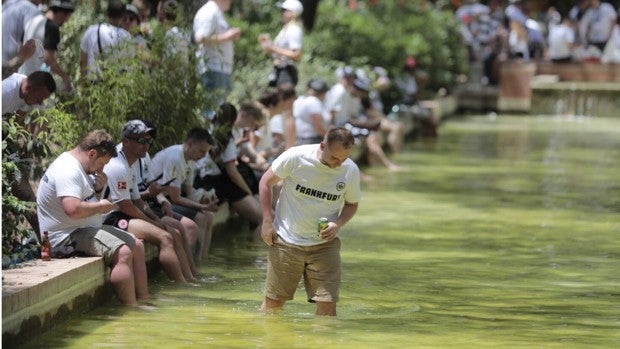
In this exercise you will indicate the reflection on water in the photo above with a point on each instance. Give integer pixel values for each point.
(504, 233)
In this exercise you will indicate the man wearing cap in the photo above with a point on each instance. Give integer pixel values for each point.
(70, 205)
(308, 111)
(285, 49)
(134, 215)
(215, 51)
(131, 23)
(46, 29)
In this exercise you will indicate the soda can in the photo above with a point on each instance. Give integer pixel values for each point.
(322, 223)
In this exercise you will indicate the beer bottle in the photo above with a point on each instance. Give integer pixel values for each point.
(46, 247)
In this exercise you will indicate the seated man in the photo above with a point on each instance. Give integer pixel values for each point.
(70, 205)
(153, 195)
(172, 167)
(134, 215)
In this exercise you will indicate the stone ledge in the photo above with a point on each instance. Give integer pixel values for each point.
(38, 294)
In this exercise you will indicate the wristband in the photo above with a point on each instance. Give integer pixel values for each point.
(98, 191)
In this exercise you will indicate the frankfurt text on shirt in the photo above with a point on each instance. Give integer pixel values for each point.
(316, 193)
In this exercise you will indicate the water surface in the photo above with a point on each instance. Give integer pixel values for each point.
(503, 233)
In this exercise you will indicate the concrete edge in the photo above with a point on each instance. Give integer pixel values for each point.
(38, 295)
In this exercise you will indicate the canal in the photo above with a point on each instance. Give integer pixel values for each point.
(504, 233)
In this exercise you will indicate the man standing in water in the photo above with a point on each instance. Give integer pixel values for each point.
(319, 180)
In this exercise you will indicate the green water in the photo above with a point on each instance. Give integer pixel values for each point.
(503, 234)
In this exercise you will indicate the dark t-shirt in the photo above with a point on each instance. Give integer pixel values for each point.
(52, 36)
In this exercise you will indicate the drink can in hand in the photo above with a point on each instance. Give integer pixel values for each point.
(323, 223)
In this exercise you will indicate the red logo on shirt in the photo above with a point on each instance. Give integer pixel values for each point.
(121, 185)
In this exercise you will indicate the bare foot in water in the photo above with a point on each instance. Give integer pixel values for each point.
(394, 168)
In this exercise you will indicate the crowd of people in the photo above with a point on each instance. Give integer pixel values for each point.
(271, 159)
(496, 31)
(107, 196)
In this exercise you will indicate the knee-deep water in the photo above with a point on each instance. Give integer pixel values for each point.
(503, 233)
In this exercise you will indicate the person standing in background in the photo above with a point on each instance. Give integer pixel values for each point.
(15, 16)
(215, 52)
(285, 49)
(46, 28)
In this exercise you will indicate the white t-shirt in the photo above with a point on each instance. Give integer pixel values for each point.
(290, 38)
(64, 177)
(343, 104)
(311, 190)
(304, 108)
(177, 43)
(15, 16)
(265, 142)
(210, 21)
(208, 167)
(599, 21)
(121, 179)
(611, 54)
(11, 101)
(560, 41)
(111, 38)
(170, 163)
(35, 29)
(143, 171)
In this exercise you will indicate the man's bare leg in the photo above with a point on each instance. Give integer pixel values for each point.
(271, 305)
(164, 240)
(121, 276)
(326, 308)
(140, 276)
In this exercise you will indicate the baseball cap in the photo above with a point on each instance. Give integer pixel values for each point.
(135, 127)
(318, 85)
(62, 4)
(133, 10)
(362, 83)
(291, 5)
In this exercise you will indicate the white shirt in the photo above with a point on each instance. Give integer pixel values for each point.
(64, 177)
(266, 140)
(290, 38)
(311, 190)
(121, 179)
(597, 23)
(304, 108)
(343, 104)
(109, 37)
(171, 164)
(207, 165)
(15, 17)
(143, 172)
(176, 42)
(35, 29)
(210, 21)
(560, 41)
(11, 100)
(612, 49)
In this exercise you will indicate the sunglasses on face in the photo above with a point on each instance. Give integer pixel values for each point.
(142, 140)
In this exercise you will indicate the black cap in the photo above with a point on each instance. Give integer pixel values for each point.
(62, 4)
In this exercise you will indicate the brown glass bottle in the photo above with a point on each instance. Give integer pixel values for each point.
(46, 248)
